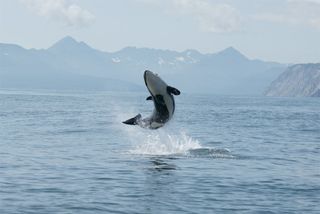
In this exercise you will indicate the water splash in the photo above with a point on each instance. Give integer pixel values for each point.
(164, 141)
(161, 142)
(169, 140)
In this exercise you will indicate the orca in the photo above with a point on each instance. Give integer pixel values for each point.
(162, 96)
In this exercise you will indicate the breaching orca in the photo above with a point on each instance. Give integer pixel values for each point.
(161, 95)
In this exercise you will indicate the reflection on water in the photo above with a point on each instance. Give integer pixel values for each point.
(161, 181)
(160, 165)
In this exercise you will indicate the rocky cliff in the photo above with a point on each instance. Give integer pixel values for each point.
(301, 80)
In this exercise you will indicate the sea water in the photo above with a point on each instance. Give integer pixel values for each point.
(68, 152)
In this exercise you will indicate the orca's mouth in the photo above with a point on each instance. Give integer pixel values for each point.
(147, 72)
(145, 77)
(154, 83)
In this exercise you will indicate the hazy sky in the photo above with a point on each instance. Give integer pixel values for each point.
(280, 30)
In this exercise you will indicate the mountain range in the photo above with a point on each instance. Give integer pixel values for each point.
(72, 65)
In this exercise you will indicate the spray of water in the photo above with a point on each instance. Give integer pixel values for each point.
(162, 142)
(168, 140)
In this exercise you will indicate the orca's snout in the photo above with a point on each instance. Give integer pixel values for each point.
(148, 73)
(154, 83)
(149, 77)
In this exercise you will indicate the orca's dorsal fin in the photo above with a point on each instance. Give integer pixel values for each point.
(133, 121)
(149, 98)
(172, 90)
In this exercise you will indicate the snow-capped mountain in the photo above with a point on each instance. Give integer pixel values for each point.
(75, 65)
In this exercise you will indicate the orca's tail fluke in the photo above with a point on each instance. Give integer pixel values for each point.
(133, 121)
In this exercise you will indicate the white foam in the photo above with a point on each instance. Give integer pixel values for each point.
(164, 141)
(160, 142)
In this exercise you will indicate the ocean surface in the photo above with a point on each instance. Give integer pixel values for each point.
(69, 153)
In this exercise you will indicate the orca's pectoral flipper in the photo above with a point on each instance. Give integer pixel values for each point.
(172, 90)
(133, 121)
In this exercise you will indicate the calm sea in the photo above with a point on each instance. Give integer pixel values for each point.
(70, 153)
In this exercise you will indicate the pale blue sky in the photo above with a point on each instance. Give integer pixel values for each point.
(286, 31)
